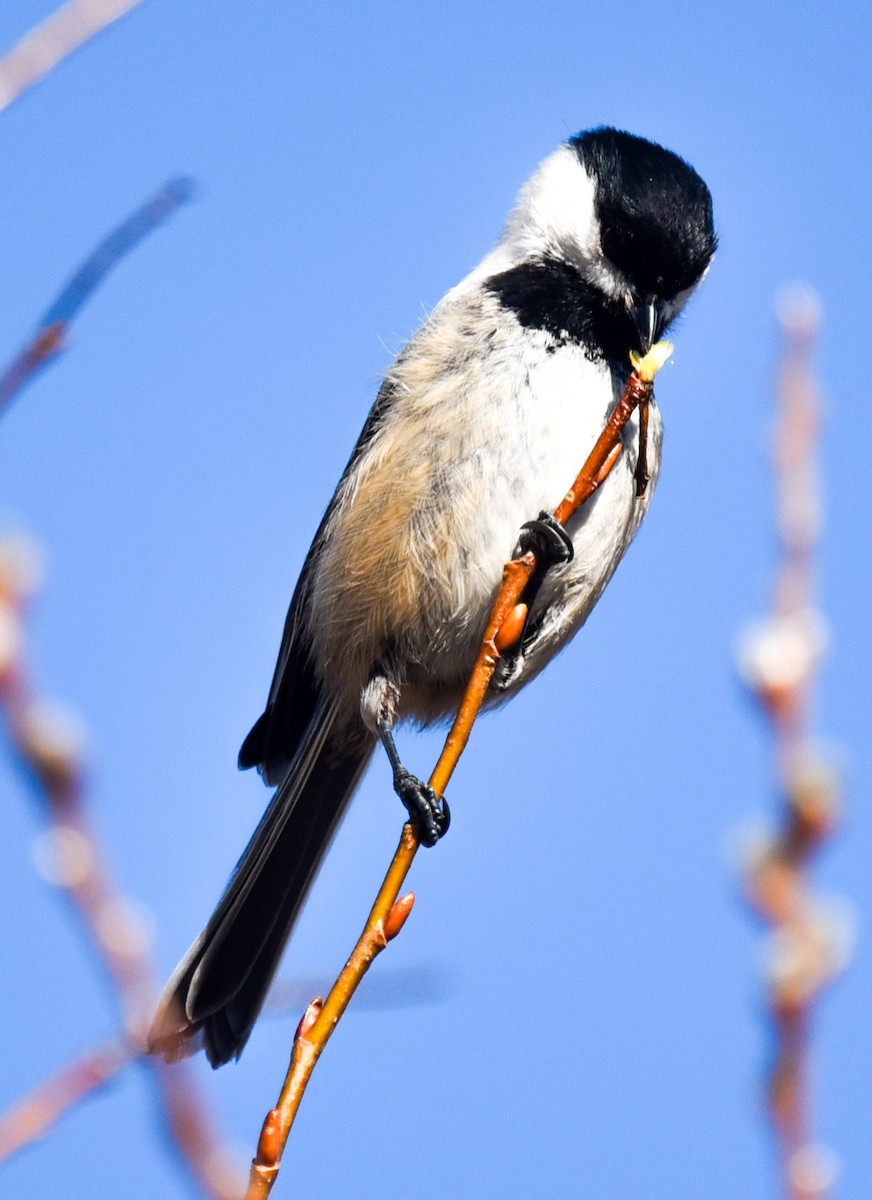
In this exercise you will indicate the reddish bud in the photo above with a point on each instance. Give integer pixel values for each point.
(774, 885)
(398, 915)
(813, 786)
(309, 1017)
(606, 468)
(511, 629)
(269, 1144)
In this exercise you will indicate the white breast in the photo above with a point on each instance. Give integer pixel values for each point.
(552, 405)
(489, 425)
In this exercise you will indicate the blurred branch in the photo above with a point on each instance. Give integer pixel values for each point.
(50, 336)
(779, 659)
(389, 913)
(50, 751)
(55, 39)
(45, 745)
(33, 1116)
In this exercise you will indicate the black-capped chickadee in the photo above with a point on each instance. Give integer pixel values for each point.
(482, 423)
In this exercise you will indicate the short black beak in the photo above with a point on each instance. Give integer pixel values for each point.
(649, 317)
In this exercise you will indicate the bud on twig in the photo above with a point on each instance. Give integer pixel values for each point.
(398, 916)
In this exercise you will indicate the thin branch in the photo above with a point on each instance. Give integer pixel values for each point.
(389, 914)
(50, 752)
(49, 338)
(31, 1118)
(50, 756)
(34, 1114)
(55, 39)
(779, 661)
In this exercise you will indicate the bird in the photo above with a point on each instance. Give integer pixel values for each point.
(479, 425)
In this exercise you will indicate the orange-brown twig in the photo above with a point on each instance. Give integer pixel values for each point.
(52, 758)
(31, 1118)
(518, 573)
(779, 661)
(388, 914)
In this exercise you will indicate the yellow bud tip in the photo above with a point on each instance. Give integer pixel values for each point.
(647, 365)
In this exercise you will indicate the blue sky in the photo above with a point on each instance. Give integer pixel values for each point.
(596, 1026)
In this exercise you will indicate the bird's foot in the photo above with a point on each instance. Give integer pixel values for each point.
(548, 538)
(427, 811)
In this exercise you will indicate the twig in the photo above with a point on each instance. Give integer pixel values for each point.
(44, 746)
(389, 914)
(49, 43)
(33, 1116)
(50, 753)
(50, 337)
(779, 660)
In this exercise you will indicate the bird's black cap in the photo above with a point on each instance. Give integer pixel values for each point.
(654, 211)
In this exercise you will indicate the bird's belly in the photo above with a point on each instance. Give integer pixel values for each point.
(415, 556)
(600, 532)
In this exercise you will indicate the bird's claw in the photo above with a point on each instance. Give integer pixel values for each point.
(547, 537)
(427, 811)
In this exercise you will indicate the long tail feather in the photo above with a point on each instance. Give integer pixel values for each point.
(218, 989)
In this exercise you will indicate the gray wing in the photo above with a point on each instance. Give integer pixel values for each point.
(296, 693)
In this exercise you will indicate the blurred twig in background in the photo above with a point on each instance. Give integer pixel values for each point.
(58, 36)
(50, 750)
(46, 744)
(33, 1116)
(779, 658)
(49, 339)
